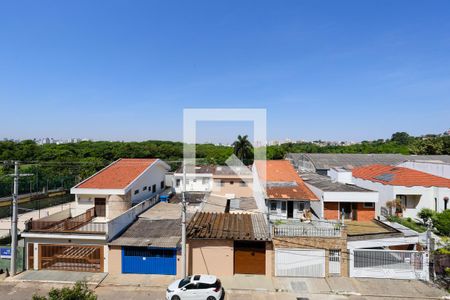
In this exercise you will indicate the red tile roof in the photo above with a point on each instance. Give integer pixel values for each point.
(282, 181)
(399, 176)
(117, 175)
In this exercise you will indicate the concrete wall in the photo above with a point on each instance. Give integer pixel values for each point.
(232, 186)
(215, 257)
(194, 182)
(115, 260)
(153, 176)
(117, 205)
(438, 169)
(280, 214)
(318, 243)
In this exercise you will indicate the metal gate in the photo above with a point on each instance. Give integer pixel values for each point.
(71, 258)
(394, 264)
(334, 262)
(299, 262)
(141, 260)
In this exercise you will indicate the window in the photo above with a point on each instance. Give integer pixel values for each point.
(162, 184)
(301, 206)
(445, 203)
(177, 183)
(192, 286)
(242, 183)
(154, 188)
(283, 206)
(369, 205)
(144, 188)
(136, 192)
(231, 182)
(273, 205)
(184, 281)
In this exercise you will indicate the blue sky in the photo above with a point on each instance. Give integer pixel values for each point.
(124, 70)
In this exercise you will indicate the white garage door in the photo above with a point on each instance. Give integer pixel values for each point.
(299, 262)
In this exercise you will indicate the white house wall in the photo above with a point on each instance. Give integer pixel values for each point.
(438, 169)
(317, 206)
(154, 175)
(389, 192)
(194, 182)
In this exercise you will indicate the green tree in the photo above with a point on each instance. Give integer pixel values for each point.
(79, 291)
(441, 222)
(401, 138)
(242, 148)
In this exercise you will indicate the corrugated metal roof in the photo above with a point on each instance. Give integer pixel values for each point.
(323, 161)
(155, 233)
(207, 225)
(325, 184)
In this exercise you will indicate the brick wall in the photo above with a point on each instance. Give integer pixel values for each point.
(318, 243)
(330, 211)
(365, 214)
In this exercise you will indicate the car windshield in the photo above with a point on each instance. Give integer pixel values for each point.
(184, 281)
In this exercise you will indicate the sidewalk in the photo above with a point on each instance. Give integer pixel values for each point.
(53, 276)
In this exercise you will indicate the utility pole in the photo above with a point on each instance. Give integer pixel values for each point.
(183, 223)
(14, 220)
(15, 198)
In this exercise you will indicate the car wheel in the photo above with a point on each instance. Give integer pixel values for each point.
(211, 298)
(175, 297)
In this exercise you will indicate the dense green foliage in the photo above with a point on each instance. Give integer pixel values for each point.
(441, 221)
(426, 214)
(79, 291)
(408, 222)
(65, 164)
(243, 149)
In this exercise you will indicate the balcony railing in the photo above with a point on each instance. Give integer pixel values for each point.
(306, 230)
(80, 223)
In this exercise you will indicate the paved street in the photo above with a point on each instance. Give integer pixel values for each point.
(286, 288)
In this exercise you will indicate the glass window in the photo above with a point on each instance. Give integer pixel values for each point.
(301, 205)
(162, 184)
(136, 192)
(231, 182)
(283, 206)
(154, 188)
(273, 205)
(184, 281)
(369, 205)
(192, 286)
(178, 182)
(144, 188)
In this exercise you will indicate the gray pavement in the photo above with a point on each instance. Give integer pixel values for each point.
(236, 287)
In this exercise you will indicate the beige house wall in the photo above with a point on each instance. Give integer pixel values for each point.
(115, 260)
(235, 188)
(270, 259)
(215, 257)
(116, 205)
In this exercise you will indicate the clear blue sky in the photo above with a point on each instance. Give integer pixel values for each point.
(124, 70)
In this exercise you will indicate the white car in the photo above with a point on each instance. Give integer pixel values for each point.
(198, 287)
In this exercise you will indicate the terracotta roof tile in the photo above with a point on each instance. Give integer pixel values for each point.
(117, 175)
(282, 181)
(399, 176)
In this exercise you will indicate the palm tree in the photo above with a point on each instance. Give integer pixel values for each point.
(243, 148)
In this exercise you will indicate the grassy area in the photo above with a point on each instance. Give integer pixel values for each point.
(408, 222)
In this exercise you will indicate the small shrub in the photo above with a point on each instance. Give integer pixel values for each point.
(441, 222)
(426, 214)
(79, 291)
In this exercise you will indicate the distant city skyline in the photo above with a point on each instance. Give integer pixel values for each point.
(331, 70)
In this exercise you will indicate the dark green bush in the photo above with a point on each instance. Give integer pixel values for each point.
(441, 222)
(425, 214)
(79, 291)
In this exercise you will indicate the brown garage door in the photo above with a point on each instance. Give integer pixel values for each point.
(71, 258)
(249, 257)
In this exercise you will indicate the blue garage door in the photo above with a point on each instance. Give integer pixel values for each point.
(141, 260)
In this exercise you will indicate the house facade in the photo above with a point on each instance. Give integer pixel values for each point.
(340, 199)
(279, 191)
(106, 203)
(414, 189)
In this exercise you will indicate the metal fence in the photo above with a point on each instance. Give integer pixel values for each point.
(305, 230)
(394, 264)
(72, 258)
